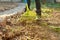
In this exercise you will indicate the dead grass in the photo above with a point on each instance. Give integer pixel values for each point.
(37, 30)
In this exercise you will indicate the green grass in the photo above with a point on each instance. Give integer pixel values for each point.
(55, 5)
(51, 5)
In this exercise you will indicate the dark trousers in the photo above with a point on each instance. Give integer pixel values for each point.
(38, 5)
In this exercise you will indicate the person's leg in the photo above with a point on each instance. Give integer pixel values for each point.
(38, 7)
(29, 2)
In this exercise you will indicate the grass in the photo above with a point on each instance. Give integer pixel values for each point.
(50, 5)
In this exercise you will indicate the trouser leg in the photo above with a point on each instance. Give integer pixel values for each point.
(38, 7)
(28, 3)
